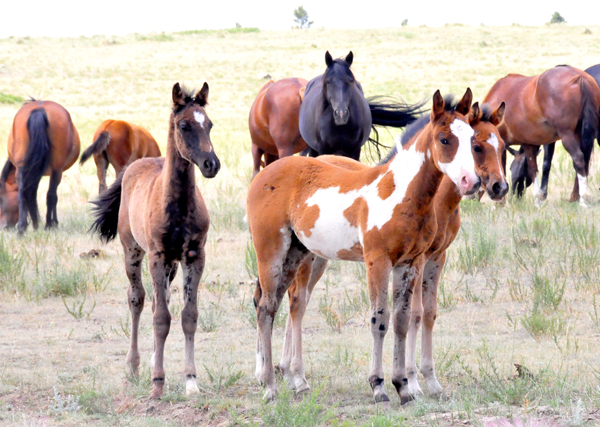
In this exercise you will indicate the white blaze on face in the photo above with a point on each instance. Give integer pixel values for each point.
(463, 159)
(200, 118)
(493, 141)
(332, 232)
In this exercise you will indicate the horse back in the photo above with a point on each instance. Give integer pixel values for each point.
(63, 135)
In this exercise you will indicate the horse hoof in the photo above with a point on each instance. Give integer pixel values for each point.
(269, 396)
(156, 393)
(191, 388)
(303, 389)
(385, 406)
(404, 400)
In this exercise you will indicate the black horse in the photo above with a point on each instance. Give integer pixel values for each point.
(336, 118)
(519, 170)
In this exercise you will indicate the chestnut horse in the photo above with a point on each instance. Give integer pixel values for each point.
(273, 121)
(382, 215)
(561, 103)
(487, 149)
(9, 201)
(519, 170)
(157, 209)
(42, 141)
(118, 143)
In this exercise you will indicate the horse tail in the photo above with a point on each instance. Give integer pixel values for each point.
(387, 112)
(98, 146)
(106, 211)
(36, 161)
(6, 170)
(589, 119)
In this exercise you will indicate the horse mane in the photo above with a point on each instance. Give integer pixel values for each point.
(486, 113)
(450, 104)
(30, 100)
(343, 63)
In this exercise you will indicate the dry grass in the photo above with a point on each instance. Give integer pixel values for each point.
(510, 270)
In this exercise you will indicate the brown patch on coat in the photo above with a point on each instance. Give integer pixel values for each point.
(355, 253)
(386, 186)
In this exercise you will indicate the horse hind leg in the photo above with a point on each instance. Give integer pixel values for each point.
(135, 299)
(411, 341)
(52, 199)
(581, 189)
(274, 281)
(101, 170)
(192, 272)
(257, 155)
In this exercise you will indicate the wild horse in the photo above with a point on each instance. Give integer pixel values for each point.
(157, 209)
(519, 167)
(118, 143)
(42, 141)
(561, 103)
(301, 207)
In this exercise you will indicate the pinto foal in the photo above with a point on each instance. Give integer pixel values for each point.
(383, 216)
(157, 209)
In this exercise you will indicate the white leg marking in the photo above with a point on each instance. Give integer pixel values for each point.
(191, 387)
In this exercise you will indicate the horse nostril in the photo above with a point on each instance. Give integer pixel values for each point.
(496, 188)
(207, 164)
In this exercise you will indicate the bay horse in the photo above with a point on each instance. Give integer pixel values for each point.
(42, 141)
(118, 143)
(9, 201)
(561, 103)
(519, 170)
(382, 215)
(487, 149)
(336, 118)
(273, 121)
(156, 208)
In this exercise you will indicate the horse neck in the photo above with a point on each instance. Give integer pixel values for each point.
(427, 179)
(179, 179)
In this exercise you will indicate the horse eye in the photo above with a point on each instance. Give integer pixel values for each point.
(183, 126)
(477, 149)
(444, 141)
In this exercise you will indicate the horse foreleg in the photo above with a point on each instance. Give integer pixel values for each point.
(160, 270)
(546, 166)
(378, 273)
(404, 280)
(135, 299)
(411, 341)
(23, 209)
(192, 272)
(52, 199)
(431, 278)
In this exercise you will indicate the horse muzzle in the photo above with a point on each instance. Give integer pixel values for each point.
(209, 165)
(469, 183)
(341, 116)
(497, 190)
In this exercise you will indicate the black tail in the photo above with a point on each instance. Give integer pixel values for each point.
(106, 211)
(589, 121)
(6, 170)
(98, 146)
(37, 160)
(388, 112)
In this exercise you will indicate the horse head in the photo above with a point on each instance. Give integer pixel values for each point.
(488, 148)
(338, 82)
(452, 137)
(191, 129)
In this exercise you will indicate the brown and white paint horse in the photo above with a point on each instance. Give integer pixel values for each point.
(382, 215)
(157, 209)
(487, 149)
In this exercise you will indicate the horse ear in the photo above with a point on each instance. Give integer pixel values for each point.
(498, 114)
(328, 59)
(512, 151)
(178, 98)
(474, 115)
(349, 58)
(438, 105)
(464, 105)
(202, 95)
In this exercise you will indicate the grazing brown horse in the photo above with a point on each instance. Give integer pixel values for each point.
(157, 209)
(487, 149)
(9, 191)
(383, 216)
(519, 170)
(273, 121)
(118, 143)
(561, 103)
(42, 141)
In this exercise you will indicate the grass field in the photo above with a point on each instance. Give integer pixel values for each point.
(522, 285)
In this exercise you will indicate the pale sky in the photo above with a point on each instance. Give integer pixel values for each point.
(117, 17)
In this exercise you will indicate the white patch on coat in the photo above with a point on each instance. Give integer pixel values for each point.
(584, 190)
(537, 190)
(191, 387)
(199, 118)
(463, 159)
(332, 232)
